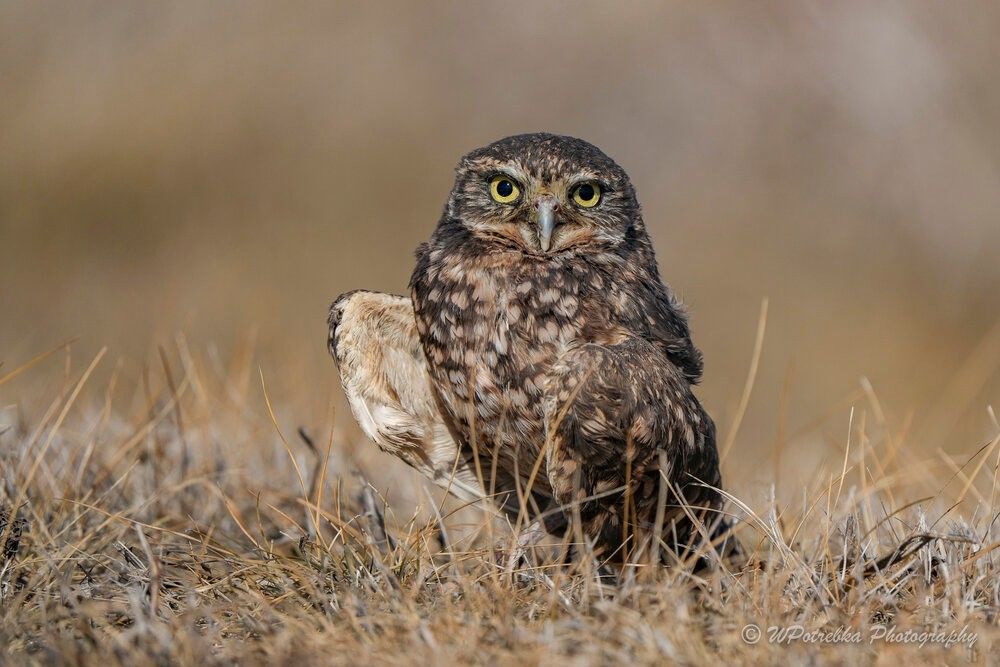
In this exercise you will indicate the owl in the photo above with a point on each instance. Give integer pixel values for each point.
(11, 530)
(540, 364)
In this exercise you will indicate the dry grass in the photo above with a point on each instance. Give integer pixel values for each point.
(172, 522)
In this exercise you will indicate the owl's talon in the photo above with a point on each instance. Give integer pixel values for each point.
(529, 537)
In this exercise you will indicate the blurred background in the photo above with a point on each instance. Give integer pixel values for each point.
(224, 170)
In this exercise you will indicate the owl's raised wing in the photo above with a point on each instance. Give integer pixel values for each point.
(373, 338)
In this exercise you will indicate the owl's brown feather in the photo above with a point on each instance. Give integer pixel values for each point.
(610, 409)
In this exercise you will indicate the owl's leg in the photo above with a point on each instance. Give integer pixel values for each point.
(373, 338)
(551, 522)
(529, 537)
(630, 451)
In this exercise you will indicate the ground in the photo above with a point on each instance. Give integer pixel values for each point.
(171, 517)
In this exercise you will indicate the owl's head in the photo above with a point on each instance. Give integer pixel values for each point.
(544, 193)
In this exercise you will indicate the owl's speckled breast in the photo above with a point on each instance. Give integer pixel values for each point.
(496, 323)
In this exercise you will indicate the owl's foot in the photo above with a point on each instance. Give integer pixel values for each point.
(529, 537)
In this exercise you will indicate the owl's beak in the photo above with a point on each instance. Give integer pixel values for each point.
(546, 220)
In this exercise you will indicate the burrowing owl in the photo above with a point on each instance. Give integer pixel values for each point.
(540, 361)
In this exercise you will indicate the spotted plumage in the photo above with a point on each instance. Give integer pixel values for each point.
(551, 351)
(11, 529)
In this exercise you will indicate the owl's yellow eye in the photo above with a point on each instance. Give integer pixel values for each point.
(587, 195)
(504, 190)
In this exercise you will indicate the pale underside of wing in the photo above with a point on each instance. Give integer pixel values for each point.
(384, 373)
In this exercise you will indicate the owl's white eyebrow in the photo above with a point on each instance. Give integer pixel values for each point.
(581, 178)
(511, 171)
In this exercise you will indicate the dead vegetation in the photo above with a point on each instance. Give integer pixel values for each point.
(175, 522)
